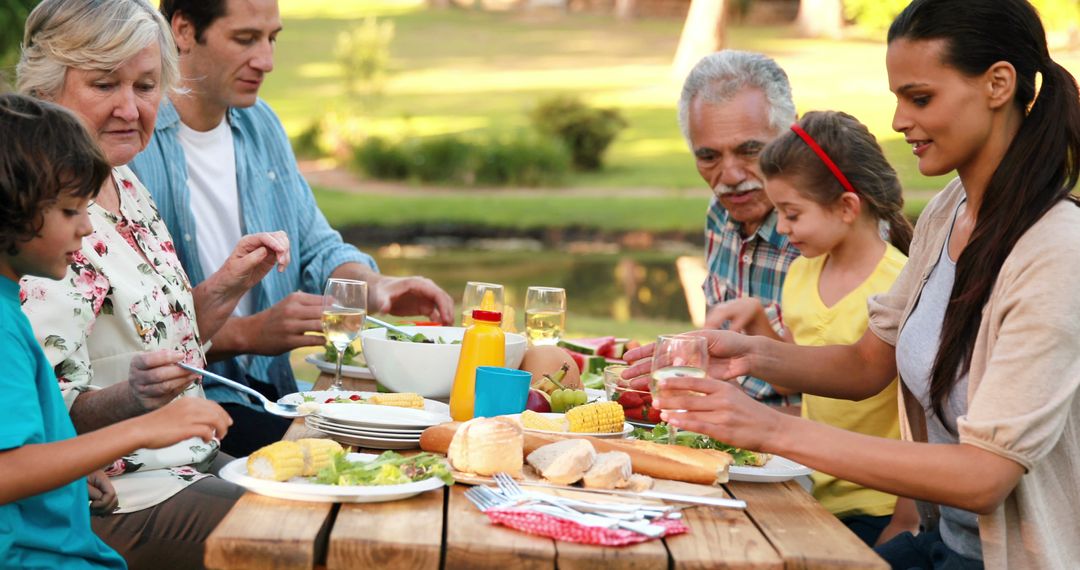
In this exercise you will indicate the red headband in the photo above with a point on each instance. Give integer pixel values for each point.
(805, 136)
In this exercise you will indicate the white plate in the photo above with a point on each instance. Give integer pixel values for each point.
(384, 416)
(349, 370)
(627, 428)
(777, 469)
(314, 423)
(369, 442)
(320, 396)
(388, 432)
(300, 489)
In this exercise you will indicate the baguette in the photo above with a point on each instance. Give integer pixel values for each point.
(657, 460)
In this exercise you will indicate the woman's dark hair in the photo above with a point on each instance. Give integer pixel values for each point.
(46, 153)
(201, 13)
(856, 153)
(1039, 168)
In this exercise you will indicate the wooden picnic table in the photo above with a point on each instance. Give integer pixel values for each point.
(782, 527)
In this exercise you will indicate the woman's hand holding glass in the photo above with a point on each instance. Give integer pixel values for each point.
(729, 355)
(676, 356)
(344, 311)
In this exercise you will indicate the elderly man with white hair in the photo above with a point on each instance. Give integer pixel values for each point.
(733, 103)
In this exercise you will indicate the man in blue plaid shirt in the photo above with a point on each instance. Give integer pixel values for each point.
(734, 103)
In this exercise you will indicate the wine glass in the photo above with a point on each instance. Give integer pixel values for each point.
(545, 315)
(474, 294)
(343, 311)
(678, 356)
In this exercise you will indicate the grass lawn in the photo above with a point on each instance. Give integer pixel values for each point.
(470, 71)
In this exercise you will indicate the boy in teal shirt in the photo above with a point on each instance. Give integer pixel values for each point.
(49, 170)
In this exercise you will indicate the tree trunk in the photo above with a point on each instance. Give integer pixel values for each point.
(702, 34)
(821, 18)
(625, 9)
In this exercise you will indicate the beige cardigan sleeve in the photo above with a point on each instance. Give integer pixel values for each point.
(1025, 369)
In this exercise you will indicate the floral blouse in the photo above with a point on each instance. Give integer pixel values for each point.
(125, 293)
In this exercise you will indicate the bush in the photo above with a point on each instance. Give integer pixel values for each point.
(382, 159)
(587, 132)
(522, 161)
(446, 159)
(363, 52)
(307, 144)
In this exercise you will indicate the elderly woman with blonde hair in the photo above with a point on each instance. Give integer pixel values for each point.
(125, 314)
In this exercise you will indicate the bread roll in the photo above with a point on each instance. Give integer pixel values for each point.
(563, 462)
(662, 461)
(610, 470)
(486, 446)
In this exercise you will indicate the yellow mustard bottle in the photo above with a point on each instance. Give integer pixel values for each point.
(484, 344)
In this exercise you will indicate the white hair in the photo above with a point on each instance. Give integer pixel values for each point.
(91, 35)
(719, 76)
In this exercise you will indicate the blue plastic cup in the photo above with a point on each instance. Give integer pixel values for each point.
(500, 391)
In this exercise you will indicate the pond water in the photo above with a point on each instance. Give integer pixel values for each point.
(636, 292)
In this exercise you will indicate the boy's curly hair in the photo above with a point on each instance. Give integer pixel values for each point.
(46, 152)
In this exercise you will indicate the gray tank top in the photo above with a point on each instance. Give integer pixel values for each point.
(915, 351)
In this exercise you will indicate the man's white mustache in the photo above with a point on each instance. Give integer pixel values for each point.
(745, 186)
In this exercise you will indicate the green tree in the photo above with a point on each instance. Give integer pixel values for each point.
(12, 17)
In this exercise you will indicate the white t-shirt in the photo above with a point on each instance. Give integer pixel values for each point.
(215, 202)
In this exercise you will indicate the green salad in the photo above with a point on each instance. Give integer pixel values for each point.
(741, 457)
(418, 337)
(331, 354)
(390, 468)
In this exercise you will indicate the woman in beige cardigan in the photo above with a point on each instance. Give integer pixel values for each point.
(981, 325)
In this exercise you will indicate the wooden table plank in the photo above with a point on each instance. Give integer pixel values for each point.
(473, 542)
(649, 555)
(263, 532)
(801, 530)
(721, 538)
(396, 534)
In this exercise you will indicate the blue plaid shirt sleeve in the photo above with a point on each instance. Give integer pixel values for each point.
(747, 267)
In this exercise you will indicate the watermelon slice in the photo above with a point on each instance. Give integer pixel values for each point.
(588, 363)
(600, 346)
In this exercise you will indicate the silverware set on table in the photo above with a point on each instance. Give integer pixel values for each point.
(633, 517)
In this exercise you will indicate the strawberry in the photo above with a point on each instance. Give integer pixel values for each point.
(630, 400)
(355, 397)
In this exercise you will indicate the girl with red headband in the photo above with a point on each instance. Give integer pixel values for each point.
(836, 196)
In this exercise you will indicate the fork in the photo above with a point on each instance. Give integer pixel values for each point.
(511, 490)
(485, 498)
(283, 410)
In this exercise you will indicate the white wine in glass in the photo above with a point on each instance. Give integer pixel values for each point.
(344, 311)
(545, 315)
(677, 356)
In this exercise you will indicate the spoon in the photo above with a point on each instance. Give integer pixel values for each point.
(283, 410)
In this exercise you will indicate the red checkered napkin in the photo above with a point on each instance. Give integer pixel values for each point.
(543, 524)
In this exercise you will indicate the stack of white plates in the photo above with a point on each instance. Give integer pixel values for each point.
(377, 427)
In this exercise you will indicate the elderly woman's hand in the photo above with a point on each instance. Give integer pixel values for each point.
(155, 380)
(252, 259)
(411, 296)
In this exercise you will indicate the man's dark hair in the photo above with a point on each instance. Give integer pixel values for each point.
(201, 13)
(46, 153)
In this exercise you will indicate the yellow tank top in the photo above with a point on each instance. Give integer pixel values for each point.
(812, 323)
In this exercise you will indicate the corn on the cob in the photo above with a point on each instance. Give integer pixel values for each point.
(279, 461)
(533, 420)
(403, 400)
(318, 454)
(598, 417)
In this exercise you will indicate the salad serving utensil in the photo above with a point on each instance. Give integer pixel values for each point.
(283, 410)
(388, 326)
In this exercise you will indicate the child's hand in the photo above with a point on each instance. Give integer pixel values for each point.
(745, 315)
(182, 419)
(103, 499)
(155, 380)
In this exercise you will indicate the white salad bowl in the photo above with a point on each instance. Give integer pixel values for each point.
(427, 369)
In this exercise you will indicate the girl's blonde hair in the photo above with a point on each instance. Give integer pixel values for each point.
(858, 156)
(93, 35)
